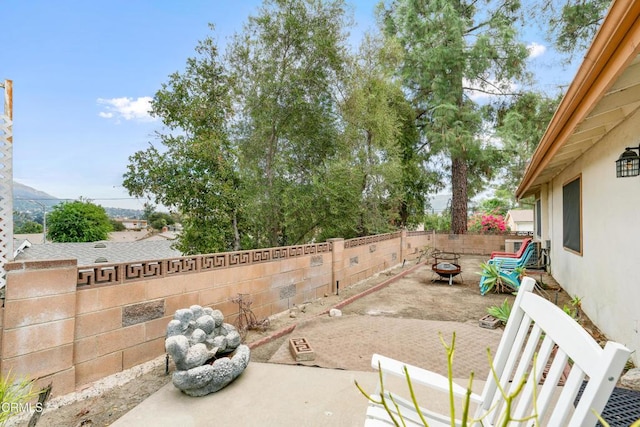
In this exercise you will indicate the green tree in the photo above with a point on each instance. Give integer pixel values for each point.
(451, 49)
(157, 220)
(494, 205)
(148, 210)
(194, 172)
(117, 225)
(286, 65)
(78, 221)
(570, 24)
(520, 127)
(437, 221)
(20, 218)
(28, 227)
(292, 138)
(387, 175)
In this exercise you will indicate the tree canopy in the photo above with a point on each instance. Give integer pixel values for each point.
(28, 227)
(290, 136)
(287, 138)
(453, 49)
(78, 221)
(570, 24)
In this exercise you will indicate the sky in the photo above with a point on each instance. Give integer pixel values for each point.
(83, 73)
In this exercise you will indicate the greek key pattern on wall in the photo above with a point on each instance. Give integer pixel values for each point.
(99, 275)
(367, 240)
(109, 274)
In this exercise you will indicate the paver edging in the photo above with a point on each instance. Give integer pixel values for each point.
(290, 328)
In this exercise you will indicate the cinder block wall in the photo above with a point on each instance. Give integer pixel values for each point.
(120, 326)
(366, 256)
(59, 327)
(39, 322)
(472, 244)
(74, 335)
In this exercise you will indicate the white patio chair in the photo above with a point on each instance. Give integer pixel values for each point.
(539, 337)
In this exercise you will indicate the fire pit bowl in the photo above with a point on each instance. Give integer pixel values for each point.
(446, 266)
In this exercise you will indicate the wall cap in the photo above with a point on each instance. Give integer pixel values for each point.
(40, 264)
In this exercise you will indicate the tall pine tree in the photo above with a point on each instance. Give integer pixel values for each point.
(454, 49)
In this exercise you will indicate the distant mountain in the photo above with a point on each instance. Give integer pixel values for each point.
(24, 196)
(28, 199)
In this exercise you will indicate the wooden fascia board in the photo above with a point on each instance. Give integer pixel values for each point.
(614, 47)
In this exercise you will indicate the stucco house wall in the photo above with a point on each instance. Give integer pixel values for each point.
(605, 276)
(595, 121)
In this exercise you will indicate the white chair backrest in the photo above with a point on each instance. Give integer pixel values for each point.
(542, 343)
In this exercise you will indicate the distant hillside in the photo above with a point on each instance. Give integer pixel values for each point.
(28, 199)
(23, 197)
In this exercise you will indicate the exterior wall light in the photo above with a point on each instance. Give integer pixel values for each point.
(628, 164)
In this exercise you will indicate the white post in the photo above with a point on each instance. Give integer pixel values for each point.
(6, 180)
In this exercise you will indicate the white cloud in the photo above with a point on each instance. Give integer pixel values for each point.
(536, 50)
(126, 108)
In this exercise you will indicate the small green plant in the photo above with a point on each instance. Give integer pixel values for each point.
(14, 395)
(501, 312)
(494, 279)
(521, 271)
(573, 309)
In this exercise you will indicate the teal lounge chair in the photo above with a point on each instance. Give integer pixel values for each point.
(512, 263)
(511, 275)
(507, 267)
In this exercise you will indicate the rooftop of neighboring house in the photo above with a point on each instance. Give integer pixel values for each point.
(114, 236)
(101, 252)
(521, 215)
(115, 250)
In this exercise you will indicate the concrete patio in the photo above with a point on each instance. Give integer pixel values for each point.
(268, 394)
(284, 393)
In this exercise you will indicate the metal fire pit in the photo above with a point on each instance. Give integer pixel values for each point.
(446, 266)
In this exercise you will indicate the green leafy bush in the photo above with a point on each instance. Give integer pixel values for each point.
(29, 227)
(78, 221)
(117, 225)
(501, 312)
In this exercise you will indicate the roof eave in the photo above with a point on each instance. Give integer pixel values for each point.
(614, 47)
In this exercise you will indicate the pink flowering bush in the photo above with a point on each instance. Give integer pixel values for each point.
(487, 223)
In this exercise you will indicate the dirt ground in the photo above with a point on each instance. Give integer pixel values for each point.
(421, 298)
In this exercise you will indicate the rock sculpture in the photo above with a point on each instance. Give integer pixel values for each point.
(198, 341)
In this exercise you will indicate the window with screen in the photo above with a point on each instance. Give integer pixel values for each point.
(572, 215)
